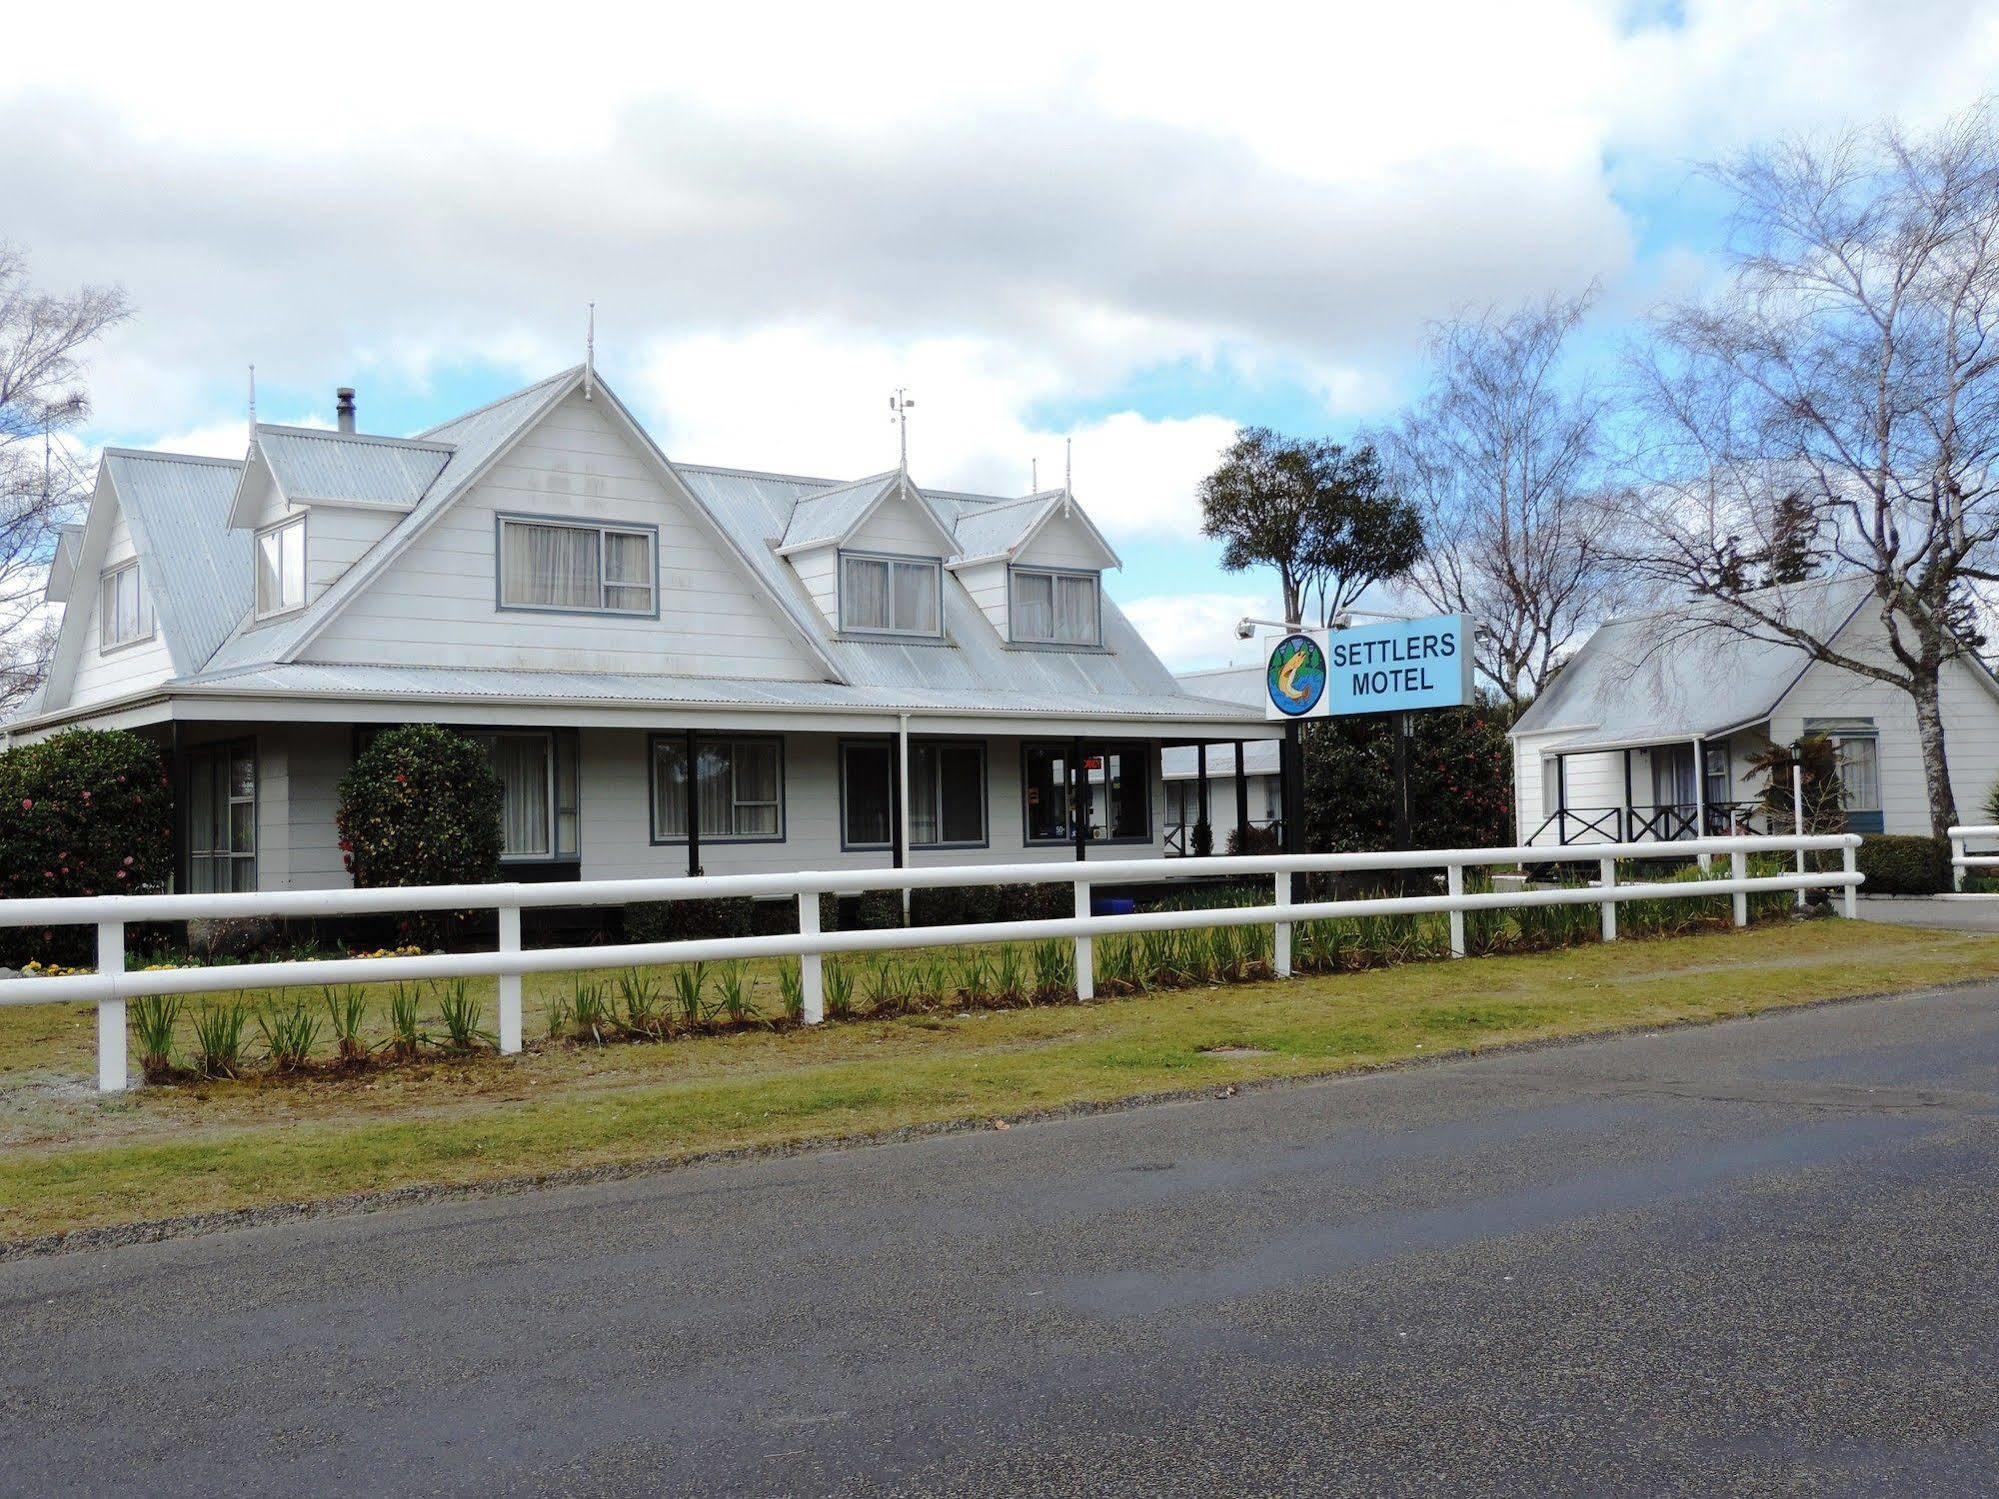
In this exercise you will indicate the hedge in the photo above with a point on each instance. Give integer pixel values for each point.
(1901, 864)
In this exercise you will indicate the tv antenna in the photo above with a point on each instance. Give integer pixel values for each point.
(898, 405)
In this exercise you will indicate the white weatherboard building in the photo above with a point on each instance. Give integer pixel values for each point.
(1648, 731)
(857, 674)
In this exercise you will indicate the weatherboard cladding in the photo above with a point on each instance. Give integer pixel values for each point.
(312, 465)
(197, 570)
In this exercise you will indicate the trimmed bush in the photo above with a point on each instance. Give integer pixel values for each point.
(691, 920)
(421, 806)
(87, 812)
(1898, 864)
(972, 904)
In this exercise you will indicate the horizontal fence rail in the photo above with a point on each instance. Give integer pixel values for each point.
(1962, 857)
(111, 985)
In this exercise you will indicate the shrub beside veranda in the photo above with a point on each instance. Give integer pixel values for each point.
(421, 806)
(88, 812)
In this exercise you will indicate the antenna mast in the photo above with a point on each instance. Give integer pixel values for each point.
(898, 405)
(590, 357)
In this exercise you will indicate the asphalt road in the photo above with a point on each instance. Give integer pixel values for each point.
(1751, 1258)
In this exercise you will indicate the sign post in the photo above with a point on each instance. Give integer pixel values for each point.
(1393, 669)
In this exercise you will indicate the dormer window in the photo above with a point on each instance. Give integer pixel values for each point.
(124, 617)
(1055, 608)
(281, 568)
(889, 595)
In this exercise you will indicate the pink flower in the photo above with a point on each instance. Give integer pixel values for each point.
(121, 874)
(86, 796)
(128, 861)
(27, 804)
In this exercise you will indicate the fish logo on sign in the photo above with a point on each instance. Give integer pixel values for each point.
(1296, 678)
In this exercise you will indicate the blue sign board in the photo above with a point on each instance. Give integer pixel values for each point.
(1397, 667)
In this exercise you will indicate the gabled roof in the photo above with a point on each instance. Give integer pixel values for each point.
(195, 568)
(835, 514)
(1003, 531)
(1679, 675)
(312, 466)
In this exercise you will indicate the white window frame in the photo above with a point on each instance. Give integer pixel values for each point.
(1054, 575)
(279, 529)
(602, 529)
(108, 639)
(892, 560)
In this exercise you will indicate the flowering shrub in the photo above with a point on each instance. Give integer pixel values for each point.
(88, 812)
(421, 806)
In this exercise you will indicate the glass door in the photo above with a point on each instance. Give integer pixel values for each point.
(222, 817)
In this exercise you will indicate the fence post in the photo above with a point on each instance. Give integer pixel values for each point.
(1738, 869)
(1798, 820)
(510, 983)
(1607, 873)
(1852, 866)
(1086, 973)
(1281, 950)
(1454, 883)
(811, 967)
(1959, 849)
(111, 1012)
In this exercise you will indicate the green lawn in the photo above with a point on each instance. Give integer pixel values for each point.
(70, 1159)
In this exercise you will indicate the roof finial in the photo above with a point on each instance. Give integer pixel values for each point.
(1034, 476)
(898, 405)
(253, 400)
(1067, 444)
(590, 357)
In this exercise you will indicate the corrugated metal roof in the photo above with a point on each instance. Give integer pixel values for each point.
(1181, 763)
(311, 465)
(1667, 676)
(755, 510)
(431, 683)
(197, 569)
(832, 513)
(989, 530)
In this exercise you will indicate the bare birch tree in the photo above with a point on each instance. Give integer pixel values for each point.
(1504, 457)
(1845, 379)
(43, 400)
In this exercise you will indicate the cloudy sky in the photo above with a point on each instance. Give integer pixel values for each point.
(1135, 226)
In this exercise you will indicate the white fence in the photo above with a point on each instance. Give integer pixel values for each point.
(1962, 857)
(111, 985)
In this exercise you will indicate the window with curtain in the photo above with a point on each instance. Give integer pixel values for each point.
(1860, 771)
(281, 567)
(739, 788)
(124, 614)
(891, 595)
(222, 817)
(587, 568)
(1055, 608)
(947, 793)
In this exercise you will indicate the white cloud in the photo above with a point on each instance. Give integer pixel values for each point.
(1192, 631)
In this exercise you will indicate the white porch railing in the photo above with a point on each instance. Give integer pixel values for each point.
(1962, 858)
(111, 985)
